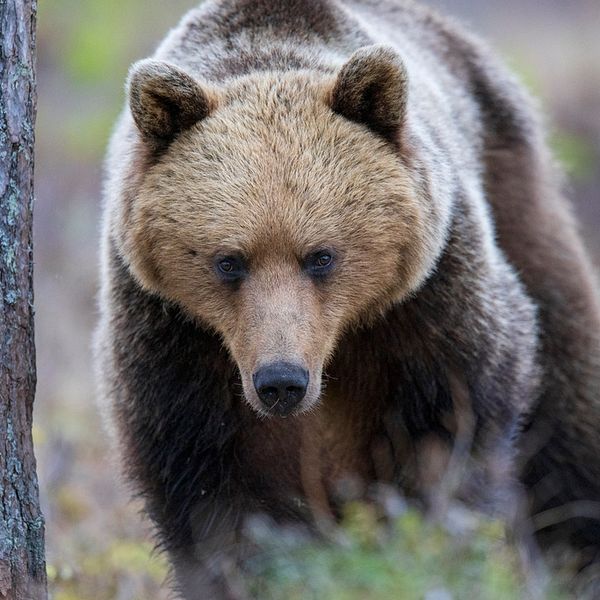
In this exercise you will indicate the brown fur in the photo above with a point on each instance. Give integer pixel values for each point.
(460, 307)
(267, 204)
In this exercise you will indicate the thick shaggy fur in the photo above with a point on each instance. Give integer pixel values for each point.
(461, 292)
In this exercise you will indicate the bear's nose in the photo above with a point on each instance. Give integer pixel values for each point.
(280, 386)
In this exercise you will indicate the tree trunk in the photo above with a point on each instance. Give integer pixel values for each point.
(22, 566)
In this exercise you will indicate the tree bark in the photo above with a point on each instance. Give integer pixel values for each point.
(22, 566)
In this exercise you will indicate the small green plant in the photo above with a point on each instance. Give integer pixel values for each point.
(461, 556)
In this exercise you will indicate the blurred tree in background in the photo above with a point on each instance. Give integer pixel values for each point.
(97, 546)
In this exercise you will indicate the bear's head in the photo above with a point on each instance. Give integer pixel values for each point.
(278, 210)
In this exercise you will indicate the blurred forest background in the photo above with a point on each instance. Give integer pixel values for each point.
(97, 545)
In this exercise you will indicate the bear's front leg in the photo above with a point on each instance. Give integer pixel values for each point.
(467, 371)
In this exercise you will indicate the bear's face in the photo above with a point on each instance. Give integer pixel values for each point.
(278, 222)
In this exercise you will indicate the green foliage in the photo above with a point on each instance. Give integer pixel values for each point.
(412, 559)
(100, 575)
(575, 153)
(92, 52)
(92, 45)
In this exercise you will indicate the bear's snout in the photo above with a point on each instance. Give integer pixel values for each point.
(281, 386)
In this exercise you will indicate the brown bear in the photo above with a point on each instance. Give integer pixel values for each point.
(332, 233)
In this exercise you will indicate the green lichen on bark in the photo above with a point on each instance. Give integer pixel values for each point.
(22, 566)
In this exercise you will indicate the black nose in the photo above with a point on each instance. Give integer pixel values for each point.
(280, 386)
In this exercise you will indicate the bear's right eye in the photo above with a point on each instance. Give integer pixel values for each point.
(230, 268)
(226, 266)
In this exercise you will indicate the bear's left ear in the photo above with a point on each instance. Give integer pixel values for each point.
(164, 100)
(371, 88)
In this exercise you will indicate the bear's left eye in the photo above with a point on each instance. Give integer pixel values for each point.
(320, 263)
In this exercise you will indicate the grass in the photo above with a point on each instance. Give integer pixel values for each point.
(464, 555)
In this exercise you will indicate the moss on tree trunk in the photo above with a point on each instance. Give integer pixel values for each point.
(22, 567)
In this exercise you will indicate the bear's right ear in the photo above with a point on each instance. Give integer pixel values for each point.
(164, 100)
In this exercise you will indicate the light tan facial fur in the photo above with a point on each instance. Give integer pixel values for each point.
(273, 174)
